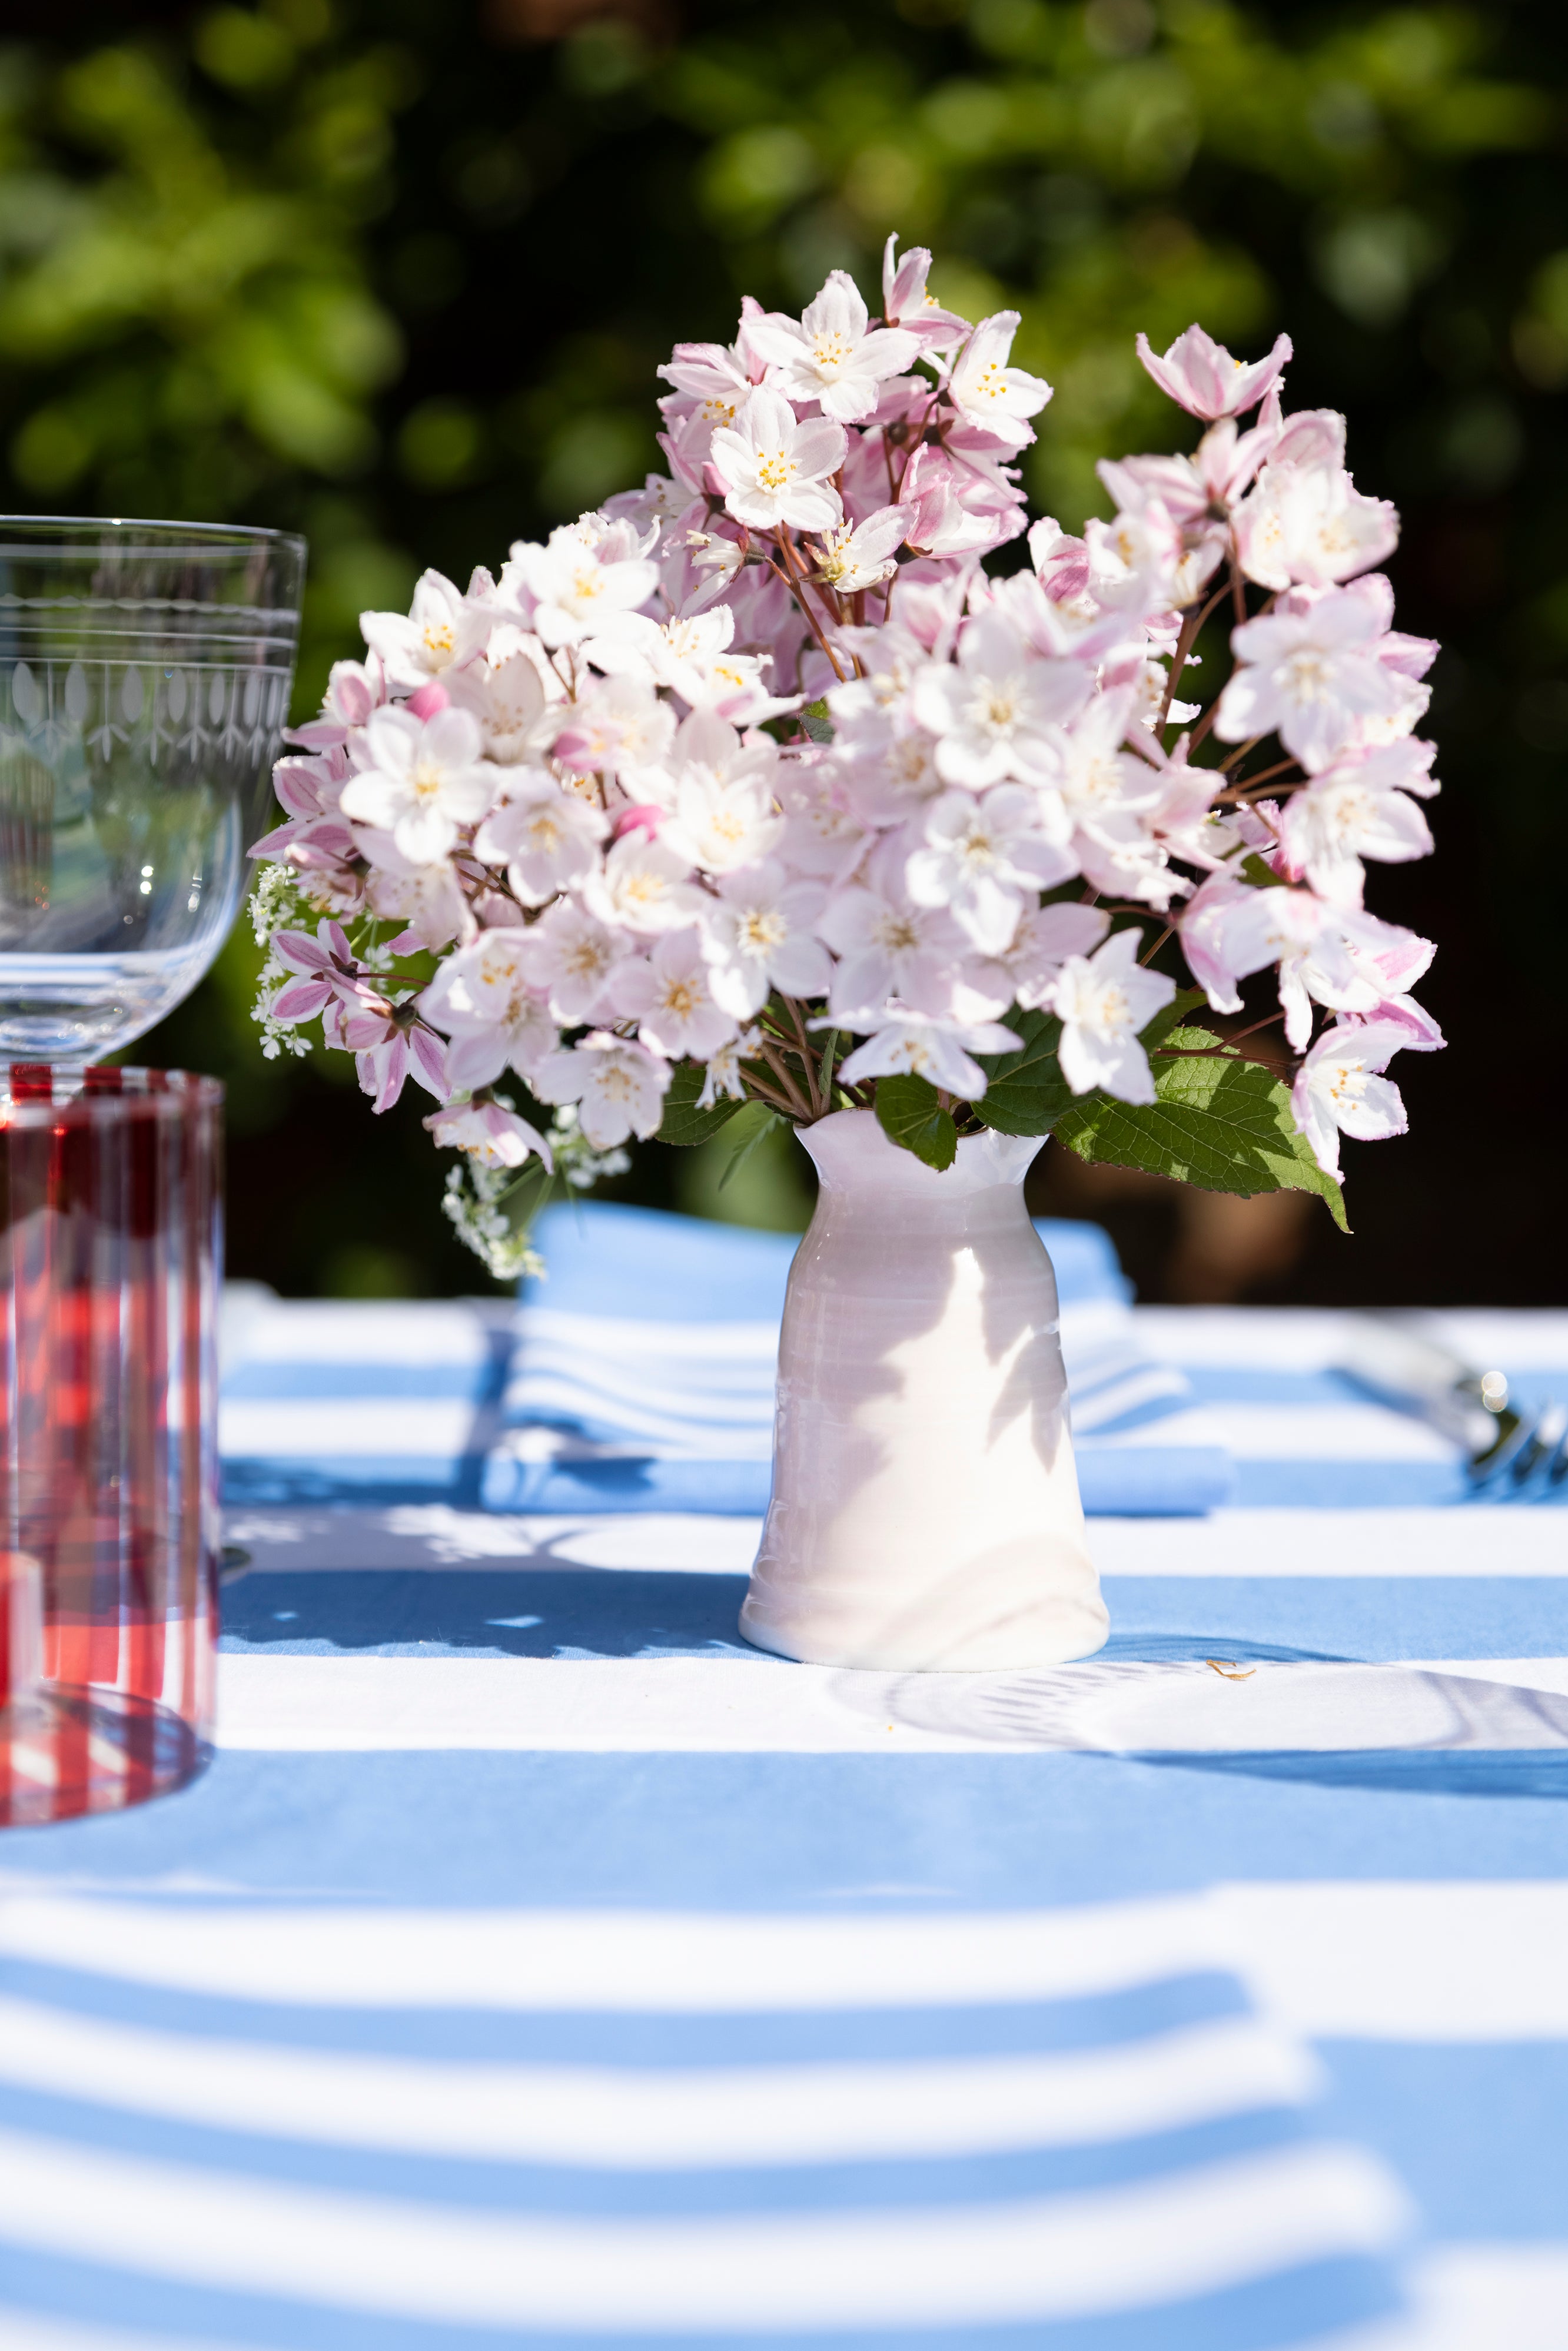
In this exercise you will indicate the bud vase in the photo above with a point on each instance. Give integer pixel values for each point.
(925, 1510)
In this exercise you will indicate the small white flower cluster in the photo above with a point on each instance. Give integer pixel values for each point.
(758, 769)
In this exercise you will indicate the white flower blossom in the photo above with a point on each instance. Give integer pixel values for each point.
(484, 999)
(760, 936)
(834, 356)
(670, 995)
(1341, 1088)
(546, 839)
(618, 1085)
(422, 781)
(777, 470)
(1103, 1001)
(930, 1046)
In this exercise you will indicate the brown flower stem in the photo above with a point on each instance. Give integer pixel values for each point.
(757, 1092)
(796, 580)
(799, 1106)
(1250, 783)
(1190, 628)
(808, 1059)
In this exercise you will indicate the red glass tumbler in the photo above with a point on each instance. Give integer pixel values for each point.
(111, 1257)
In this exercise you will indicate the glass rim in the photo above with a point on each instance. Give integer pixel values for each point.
(53, 1096)
(220, 534)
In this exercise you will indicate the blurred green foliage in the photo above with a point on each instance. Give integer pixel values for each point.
(398, 274)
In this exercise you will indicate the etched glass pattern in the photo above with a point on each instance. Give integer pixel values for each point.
(144, 678)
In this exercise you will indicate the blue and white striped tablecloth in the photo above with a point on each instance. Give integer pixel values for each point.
(538, 1966)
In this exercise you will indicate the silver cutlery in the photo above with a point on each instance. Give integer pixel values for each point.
(1504, 1446)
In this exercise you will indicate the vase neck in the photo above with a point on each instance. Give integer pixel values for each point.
(853, 1157)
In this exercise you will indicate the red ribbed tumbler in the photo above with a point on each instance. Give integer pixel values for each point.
(111, 1257)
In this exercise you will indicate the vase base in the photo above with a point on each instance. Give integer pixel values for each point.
(1057, 1636)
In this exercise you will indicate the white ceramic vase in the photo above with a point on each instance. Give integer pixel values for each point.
(925, 1510)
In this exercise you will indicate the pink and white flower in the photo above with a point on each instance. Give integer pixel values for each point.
(488, 1133)
(1359, 807)
(850, 560)
(422, 780)
(760, 936)
(1030, 964)
(1341, 1089)
(484, 999)
(997, 710)
(579, 595)
(888, 947)
(989, 393)
(670, 995)
(834, 356)
(774, 469)
(906, 302)
(388, 1048)
(1310, 524)
(642, 886)
(723, 1075)
(571, 957)
(933, 1046)
(617, 1084)
(546, 839)
(1200, 375)
(438, 630)
(984, 856)
(1103, 1001)
(1310, 676)
(329, 973)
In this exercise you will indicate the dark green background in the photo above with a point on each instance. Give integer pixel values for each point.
(398, 275)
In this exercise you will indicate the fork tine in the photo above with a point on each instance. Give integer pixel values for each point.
(1553, 1434)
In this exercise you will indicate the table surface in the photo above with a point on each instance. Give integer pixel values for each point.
(264, 2047)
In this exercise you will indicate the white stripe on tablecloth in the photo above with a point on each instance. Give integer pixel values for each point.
(687, 1963)
(1481, 2297)
(710, 1704)
(1419, 1961)
(1312, 1339)
(335, 1331)
(1478, 1539)
(1296, 1432)
(1423, 1961)
(394, 1427)
(1034, 2258)
(688, 1705)
(669, 2120)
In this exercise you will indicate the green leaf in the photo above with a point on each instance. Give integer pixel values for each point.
(1026, 1092)
(1157, 1032)
(683, 1121)
(1218, 1122)
(816, 721)
(909, 1115)
(757, 1130)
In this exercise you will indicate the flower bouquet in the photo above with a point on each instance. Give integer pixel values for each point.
(757, 786)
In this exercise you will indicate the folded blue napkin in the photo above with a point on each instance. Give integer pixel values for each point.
(642, 1376)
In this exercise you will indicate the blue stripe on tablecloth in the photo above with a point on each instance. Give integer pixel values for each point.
(587, 1612)
(1115, 1482)
(298, 1380)
(1312, 1484)
(836, 1833)
(639, 2040)
(1479, 2133)
(734, 2188)
(1298, 2308)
